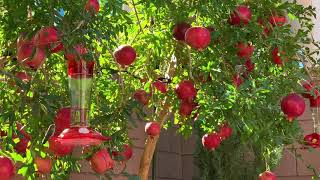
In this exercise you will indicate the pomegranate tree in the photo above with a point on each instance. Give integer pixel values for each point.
(205, 70)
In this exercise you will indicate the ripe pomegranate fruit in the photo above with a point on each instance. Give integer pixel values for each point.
(22, 146)
(186, 108)
(160, 86)
(101, 161)
(312, 140)
(76, 52)
(7, 169)
(211, 141)
(276, 56)
(276, 20)
(124, 155)
(179, 30)
(92, 6)
(62, 120)
(44, 165)
(237, 80)
(249, 65)
(293, 106)
(198, 38)
(185, 90)
(152, 129)
(244, 50)
(23, 76)
(125, 55)
(242, 15)
(225, 131)
(267, 175)
(58, 149)
(142, 97)
(25, 51)
(46, 36)
(308, 85)
(314, 101)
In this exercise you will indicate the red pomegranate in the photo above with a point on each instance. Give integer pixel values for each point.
(23, 76)
(276, 56)
(249, 65)
(7, 169)
(242, 15)
(101, 161)
(308, 85)
(76, 52)
(160, 86)
(58, 149)
(244, 50)
(125, 55)
(225, 131)
(25, 51)
(124, 155)
(142, 97)
(22, 146)
(185, 90)
(293, 106)
(62, 120)
(276, 20)
(179, 30)
(186, 108)
(237, 80)
(211, 141)
(46, 36)
(314, 101)
(44, 165)
(312, 140)
(198, 38)
(92, 6)
(152, 129)
(267, 175)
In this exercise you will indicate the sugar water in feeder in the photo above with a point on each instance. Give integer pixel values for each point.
(80, 75)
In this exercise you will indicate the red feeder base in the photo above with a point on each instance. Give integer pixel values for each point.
(81, 136)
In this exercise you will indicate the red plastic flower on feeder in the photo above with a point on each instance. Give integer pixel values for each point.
(81, 136)
(312, 140)
(80, 68)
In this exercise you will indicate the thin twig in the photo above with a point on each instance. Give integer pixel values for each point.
(136, 13)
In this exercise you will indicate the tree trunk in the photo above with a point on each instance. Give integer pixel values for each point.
(151, 143)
